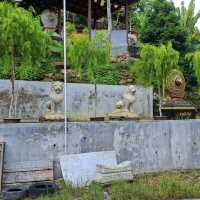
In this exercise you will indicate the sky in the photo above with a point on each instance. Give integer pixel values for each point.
(178, 3)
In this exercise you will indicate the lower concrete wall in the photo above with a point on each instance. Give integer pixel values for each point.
(161, 145)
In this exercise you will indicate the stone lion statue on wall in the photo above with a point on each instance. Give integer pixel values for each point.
(124, 107)
(129, 98)
(56, 96)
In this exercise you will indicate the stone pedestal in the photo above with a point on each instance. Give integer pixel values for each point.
(49, 116)
(119, 114)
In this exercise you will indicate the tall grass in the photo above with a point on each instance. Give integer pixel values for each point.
(164, 186)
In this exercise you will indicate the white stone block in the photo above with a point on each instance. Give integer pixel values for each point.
(80, 169)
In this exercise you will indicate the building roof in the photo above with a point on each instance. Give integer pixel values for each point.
(76, 6)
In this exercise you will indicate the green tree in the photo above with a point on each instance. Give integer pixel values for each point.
(137, 13)
(193, 60)
(162, 24)
(188, 22)
(24, 45)
(154, 65)
(188, 16)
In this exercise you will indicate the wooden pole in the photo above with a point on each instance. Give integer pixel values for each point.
(109, 16)
(126, 20)
(90, 18)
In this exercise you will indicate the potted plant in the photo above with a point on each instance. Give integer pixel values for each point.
(24, 48)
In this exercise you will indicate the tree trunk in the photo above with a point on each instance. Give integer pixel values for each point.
(126, 20)
(59, 21)
(159, 94)
(90, 18)
(163, 88)
(109, 16)
(12, 110)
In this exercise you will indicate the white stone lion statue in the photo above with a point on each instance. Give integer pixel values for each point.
(129, 98)
(56, 96)
(124, 107)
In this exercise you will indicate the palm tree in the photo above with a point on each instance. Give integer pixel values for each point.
(188, 17)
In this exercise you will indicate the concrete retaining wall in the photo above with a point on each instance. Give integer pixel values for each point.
(161, 145)
(33, 95)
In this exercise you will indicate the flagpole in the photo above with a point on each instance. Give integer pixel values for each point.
(65, 72)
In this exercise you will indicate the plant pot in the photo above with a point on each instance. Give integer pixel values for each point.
(12, 120)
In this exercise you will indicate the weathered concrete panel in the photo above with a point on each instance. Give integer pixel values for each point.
(161, 145)
(146, 144)
(81, 101)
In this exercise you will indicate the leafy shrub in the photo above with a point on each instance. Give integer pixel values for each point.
(194, 62)
(70, 28)
(106, 74)
(85, 55)
(23, 44)
(154, 65)
(78, 52)
(99, 52)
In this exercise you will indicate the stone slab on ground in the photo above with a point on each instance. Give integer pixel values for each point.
(121, 172)
(80, 169)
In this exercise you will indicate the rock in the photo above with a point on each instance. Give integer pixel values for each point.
(106, 196)
(71, 73)
(121, 59)
(58, 77)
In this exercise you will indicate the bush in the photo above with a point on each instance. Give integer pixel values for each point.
(70, 28)
(106, 74)
(154, 65)
(85, 55)
(23, 44)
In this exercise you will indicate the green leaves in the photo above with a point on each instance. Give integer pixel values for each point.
(159, 23)
(154, 65)
(194, 61)
(86, 55)
(21, 31)
(188, 17)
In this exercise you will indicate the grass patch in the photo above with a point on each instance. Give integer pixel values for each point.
(163, 186)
